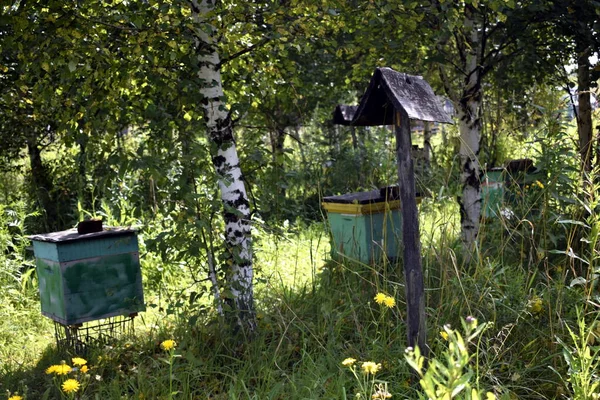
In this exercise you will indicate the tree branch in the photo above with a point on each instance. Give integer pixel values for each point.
(242, 52)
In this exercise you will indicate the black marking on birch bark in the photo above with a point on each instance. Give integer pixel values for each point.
(463, 215)
(222, 134)
(244, 262)
(240, 201)
(218, 161)
(472, 178)
(230, 217)
(195, 9)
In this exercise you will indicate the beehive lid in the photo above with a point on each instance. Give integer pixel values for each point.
(374, 196)
(71, 235)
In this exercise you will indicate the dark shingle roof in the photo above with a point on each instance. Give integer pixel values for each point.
(389, 90)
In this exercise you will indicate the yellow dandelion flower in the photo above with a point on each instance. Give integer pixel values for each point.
(389, 301)
(15, 397)
(84, 369)
(380, 298)
(78, 361)
(58, 369)
(62, 369)
(70, 385)
(168, 344)
(369, 367)
(51, 369)
(348, 362)
(444, 335)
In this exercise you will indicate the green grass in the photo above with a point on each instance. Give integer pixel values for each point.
(313, 313)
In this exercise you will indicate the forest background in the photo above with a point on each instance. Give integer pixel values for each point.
(208, 127)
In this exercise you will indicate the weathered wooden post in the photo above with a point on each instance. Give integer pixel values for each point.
(413, 271)
(394, 98)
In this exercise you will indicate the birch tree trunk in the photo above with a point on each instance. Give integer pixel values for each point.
(239, 271)
(469, 42)
(469, 116)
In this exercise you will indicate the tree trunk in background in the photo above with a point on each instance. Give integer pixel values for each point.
(41, 185)
(427, 143)
(82, 141)
(354, 138)
(359, 147)
(584, 116)
(362, 138)
(226, 162)
(469, 116)
(277, 148)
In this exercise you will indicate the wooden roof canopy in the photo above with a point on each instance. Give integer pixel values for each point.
(389, 90)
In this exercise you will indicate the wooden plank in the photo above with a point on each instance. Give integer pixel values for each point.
(413, 271)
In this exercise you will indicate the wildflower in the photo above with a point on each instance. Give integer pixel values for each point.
(369, 367)
(59, 369)
(444, 335)
(84, 369)
(539, 184)
(78, 361)
(70, 385)
(389, 301)
(168, 344)
(490, 396)
(471, 320)
(535, 305)
(15, 397)
(348, 362)
(380, 298)
(51, 369)
(381, 393)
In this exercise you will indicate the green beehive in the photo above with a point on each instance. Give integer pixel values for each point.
(492, 192)
(90, 276)
(365, 226)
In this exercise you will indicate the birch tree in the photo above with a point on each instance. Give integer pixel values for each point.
(473, 40)
(239, 296)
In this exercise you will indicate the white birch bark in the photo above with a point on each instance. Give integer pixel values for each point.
(227, 165)
(470, 130)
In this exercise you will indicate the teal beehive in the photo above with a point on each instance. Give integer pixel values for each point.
(365, 226)
(492, 192)
(89, 276)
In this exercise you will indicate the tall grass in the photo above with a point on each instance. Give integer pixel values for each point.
(314, 313)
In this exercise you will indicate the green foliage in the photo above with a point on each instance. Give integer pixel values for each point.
(581, 357)
(101, 116)
(449, 375)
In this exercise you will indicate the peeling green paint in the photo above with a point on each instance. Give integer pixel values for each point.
(90, 288)
(366, 237)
